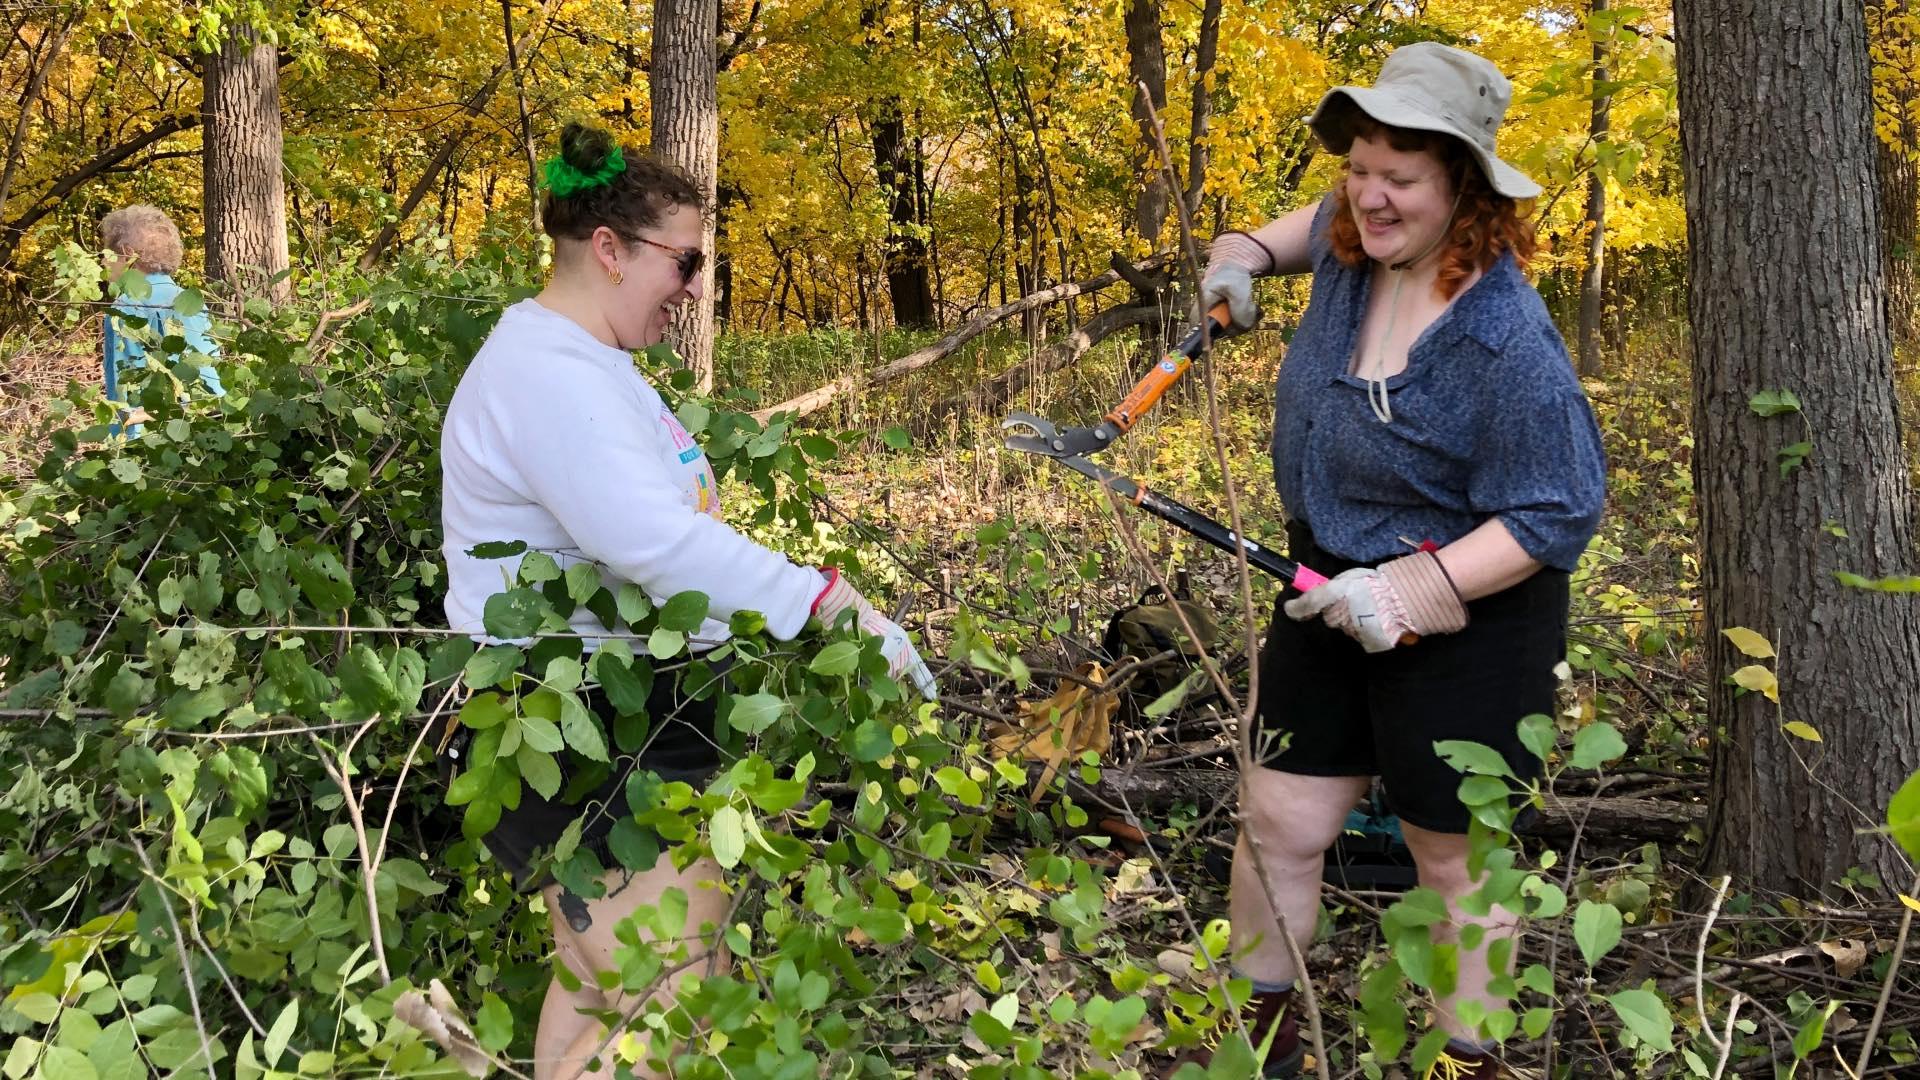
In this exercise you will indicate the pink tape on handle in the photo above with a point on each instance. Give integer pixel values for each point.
(1305, 579)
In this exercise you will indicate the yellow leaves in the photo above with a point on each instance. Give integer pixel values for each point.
(1759, 679)
(1749, 642)
(1802, 730)
(346, 36)
(1910, 902)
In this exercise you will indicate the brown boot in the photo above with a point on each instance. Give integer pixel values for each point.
(1275, 1011)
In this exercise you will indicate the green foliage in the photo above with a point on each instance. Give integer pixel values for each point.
(205, 624)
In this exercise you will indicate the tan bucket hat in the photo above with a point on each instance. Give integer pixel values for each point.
(1427, 86)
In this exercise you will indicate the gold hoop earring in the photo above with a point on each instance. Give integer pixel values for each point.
(614, 275)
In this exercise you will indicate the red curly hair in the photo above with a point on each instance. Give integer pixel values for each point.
(1487, 223)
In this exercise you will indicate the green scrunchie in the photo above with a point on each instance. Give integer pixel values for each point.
(565, 180)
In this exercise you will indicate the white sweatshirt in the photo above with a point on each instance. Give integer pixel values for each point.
(554, 438)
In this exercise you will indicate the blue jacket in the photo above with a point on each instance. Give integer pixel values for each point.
(121, 350)
(1489, 421)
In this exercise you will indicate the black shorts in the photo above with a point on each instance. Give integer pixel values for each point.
(1345, 712)
(679, 746)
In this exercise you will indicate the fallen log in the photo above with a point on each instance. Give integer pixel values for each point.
(1158, 790)
(996, 391)
(821, 396)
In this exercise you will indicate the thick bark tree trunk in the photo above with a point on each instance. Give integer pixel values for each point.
(244, 203)
(1899, 177)
(1592, 279)
(686, 131)
(908, 282)
(1777, 167)
(1147, 64)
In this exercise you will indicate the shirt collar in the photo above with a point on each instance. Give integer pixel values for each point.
(1486, 312)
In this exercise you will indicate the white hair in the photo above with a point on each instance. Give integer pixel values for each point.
(144, 233)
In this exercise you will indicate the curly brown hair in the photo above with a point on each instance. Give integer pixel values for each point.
(1486, 224)
(634, 200)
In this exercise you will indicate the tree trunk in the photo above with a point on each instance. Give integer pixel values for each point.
(908, 282)
(244, 203)
(1899, 174)
(1204, 52)
(1147, 64)
(1777, 167)
(684, 91)
(1592, 279)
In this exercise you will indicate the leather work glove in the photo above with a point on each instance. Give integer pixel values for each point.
(1232, 263)
(1396, 603)
(902, 658)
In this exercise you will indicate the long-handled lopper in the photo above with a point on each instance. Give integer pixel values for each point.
(1037, 435)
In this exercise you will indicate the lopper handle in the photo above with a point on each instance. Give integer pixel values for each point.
(1305, 578)
(1154, 386)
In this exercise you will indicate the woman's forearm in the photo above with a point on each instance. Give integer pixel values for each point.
(1486, 561)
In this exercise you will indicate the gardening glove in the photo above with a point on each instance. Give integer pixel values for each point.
(1231, 265)
(1397, 602)
(902, 657)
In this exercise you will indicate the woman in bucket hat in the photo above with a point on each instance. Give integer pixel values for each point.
(1438, 460)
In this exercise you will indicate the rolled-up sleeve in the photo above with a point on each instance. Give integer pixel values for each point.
(1541, 469)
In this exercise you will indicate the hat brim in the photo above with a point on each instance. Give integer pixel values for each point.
(1332, 123)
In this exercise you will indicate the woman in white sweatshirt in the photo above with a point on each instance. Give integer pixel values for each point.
(555, 439)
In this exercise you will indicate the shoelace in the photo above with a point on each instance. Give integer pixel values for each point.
(1448, 1067)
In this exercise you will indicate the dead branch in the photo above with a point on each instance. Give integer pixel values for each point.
(1064, 353)
(822, 396)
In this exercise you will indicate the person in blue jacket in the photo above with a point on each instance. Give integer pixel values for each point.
(145, 239)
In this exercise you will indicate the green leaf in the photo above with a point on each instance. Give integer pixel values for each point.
(1774, 403)
(493, 1024)
(1166, 703)
(1596, 744)
(755, 713)
(368, 422)
(515, 613)
(66, 1063)
(633, 603)
(636, 847)
(541, 734)
(885, 927)
(365, 680)
(664, 644)
(280, 1032)
(498, 549)
(1473, 757)
(537, 567)
(1596, 929)
(1646, 1016)
(693, 416)
(491, 666)
(1536, 734)
(583, 580)
(190, 302)
(684, 612)
(626, 686)
(65, 638)
(564, 674)
(871, 741)
(727, 836)
(483, 711)
(1903, 816)
(540, 771)
(582, 729)
(1483, 791)
(896, 437)
(1536, 1021)
(839, 658)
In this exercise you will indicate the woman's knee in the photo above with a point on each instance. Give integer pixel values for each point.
(1295, 816)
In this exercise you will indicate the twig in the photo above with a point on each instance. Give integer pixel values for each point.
(1886, 988)
(367, 867)
(179, 943)
(1700, 965)
(1245, 734)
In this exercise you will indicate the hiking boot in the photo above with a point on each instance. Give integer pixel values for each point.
(1265, 1011)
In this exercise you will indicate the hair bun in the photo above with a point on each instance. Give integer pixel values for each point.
(586, 148)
